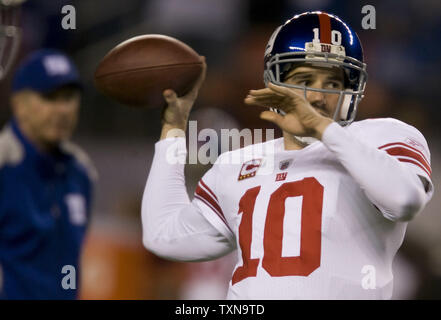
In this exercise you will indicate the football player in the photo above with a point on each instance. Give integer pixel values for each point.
(328, 219)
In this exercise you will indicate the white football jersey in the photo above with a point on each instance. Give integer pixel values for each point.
(303, 227)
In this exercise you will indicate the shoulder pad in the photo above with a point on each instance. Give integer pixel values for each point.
(11, 150)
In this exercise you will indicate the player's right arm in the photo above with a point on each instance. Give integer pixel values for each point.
(174, 227)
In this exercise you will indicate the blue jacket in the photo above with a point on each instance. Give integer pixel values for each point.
(45, 203)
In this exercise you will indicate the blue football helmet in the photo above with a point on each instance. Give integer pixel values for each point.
(321, 39)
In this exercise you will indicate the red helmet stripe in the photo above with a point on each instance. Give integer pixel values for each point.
(325, 28)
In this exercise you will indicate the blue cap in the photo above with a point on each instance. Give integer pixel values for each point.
(44, 71)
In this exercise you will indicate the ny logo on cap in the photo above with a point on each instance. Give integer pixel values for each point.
(56, 65)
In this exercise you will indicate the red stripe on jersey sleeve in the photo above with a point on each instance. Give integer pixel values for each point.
(208, 189)
(213, 209)
(417, 157)
(201, 193)
(414, 162)
(405, 145)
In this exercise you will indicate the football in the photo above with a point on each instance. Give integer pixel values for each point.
(138, 70)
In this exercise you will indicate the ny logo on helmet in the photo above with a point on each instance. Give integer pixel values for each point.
(326, 47)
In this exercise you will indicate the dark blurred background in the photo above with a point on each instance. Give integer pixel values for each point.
(403, 55)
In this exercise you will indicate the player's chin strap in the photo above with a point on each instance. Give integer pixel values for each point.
(306, 140)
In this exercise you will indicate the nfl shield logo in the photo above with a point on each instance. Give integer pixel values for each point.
(283, 165)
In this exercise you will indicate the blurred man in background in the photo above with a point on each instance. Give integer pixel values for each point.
(45, 182)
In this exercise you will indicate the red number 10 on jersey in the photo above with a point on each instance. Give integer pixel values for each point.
(310, 235)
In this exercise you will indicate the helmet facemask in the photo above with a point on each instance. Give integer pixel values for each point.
(355, 74)
(10, 34)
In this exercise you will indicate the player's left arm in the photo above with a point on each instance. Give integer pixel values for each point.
(397, 184)
(394, 175)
